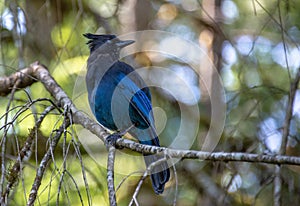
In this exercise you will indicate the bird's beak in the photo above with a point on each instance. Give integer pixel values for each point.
(122, 44)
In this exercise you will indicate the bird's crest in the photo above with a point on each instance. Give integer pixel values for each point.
(98, 40)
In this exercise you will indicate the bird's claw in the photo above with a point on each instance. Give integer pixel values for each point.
(111, 140)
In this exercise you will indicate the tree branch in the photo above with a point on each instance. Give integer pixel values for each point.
(44, 162)
(289, 112)
(38, 72)
(212, 156)
(146, 173)
(15, 170)
(24, 76)
(3, 142)
(110, 175)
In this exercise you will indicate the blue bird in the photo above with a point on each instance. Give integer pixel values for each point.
(120, 99)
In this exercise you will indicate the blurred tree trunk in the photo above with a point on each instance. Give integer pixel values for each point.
(143, 14)
(41, 17)
(212, 39)
(136, 15)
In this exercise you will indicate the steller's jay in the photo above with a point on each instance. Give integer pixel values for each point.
(119, 98)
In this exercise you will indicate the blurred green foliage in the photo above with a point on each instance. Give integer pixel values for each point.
(256, 51)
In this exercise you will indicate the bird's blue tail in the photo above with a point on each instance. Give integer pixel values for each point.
(160, 173)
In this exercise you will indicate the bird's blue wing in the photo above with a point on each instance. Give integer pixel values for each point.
(134, 76)
(140, 109)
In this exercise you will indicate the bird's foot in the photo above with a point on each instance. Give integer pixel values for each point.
(111, 140)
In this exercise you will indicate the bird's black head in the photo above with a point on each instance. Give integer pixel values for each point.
(110, 41)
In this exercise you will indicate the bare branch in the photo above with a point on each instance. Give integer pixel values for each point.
(39, 72)
(110, 175)
(42, 167)
(3, 142)
(15, 170)
(78, 153)
(25, 79)
(289, 112)
(277, 186)
(212, 156)
(146, 173)
(176, 183)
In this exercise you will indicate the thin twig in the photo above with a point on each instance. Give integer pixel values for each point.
(42, 167)
(277, 179)
(176, 180)
(76, 185)
(23, 109)
(3, 142)
(138, 187)
(65, 152)
(15, 169)
(289, 112)
(286, 129)
(77, 150)
(277, 186)
(274, 19)
(61, 179)
(126, 177)
(146, 173)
